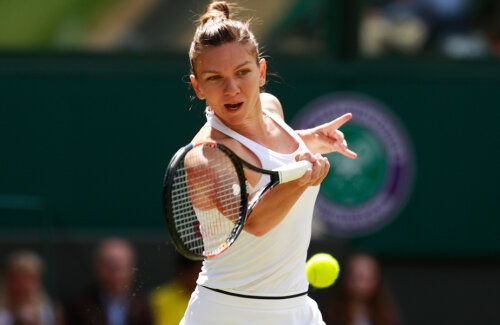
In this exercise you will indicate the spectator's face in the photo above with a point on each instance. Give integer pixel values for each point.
(22, 285)
(114, 269)
(362, 278)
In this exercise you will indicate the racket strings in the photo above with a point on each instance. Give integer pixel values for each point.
(218, 166)
(224, 199)
(201, 189)
(206, 200)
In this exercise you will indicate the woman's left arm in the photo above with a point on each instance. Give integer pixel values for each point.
(326, 138)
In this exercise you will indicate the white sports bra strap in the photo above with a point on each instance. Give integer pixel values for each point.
(283, 125)
(216, 123)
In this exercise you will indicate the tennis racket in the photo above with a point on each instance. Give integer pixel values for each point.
(206, 200)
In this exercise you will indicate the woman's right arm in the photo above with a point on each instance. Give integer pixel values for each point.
(274, 207)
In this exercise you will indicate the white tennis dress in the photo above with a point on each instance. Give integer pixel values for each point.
(259, 274)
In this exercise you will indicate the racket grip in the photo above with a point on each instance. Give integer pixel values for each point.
(293, 171)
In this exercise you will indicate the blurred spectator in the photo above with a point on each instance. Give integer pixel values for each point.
(452, 29)
(24, 301)
(488, 12)
(170, 300)
(111, 300)
(393, 26)
(413, 26)
(362, 297)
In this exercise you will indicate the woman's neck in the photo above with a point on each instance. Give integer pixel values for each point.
(253, 126)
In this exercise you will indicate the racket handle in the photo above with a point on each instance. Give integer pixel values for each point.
(293, 171)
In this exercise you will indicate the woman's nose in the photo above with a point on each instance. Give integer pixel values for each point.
(231, 87)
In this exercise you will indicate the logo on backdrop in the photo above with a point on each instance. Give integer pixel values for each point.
(362, 195)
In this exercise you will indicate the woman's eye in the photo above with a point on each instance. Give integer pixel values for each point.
(243, 72)
(213, 77)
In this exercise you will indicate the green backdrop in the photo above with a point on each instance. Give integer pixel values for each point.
(85, 141)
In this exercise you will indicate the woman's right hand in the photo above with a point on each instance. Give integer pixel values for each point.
(315, 175)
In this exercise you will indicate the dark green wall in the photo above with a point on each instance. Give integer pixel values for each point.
(85, 139)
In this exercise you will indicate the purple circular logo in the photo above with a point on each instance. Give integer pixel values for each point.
(360, 196)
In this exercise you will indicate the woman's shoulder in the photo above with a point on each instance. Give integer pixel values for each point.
(212, 134)
(208, 133)
(272, 104)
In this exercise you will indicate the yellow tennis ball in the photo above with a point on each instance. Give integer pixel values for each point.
(322, 270)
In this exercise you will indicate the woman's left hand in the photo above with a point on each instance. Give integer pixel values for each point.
(327, 138)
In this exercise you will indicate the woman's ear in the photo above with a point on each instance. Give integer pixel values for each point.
(262, 72)
(196, 87)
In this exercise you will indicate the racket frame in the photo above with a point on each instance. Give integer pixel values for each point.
(168, 213)
(247, 207)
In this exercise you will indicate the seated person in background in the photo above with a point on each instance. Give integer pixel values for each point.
(169, 301)
(111, 301)
(23, 300)
(362, 297)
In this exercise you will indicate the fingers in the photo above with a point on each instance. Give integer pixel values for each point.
(340, 146)
(306, 156)
(329, 139)
(338, 122)
(343, 150)
(348, 153)
(318, 171)
(305, 179)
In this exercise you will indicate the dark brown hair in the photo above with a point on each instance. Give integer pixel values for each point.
(217, 28)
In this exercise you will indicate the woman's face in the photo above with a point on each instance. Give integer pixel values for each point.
(228, 78)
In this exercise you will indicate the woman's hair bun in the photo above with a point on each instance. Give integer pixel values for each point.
(217, 9)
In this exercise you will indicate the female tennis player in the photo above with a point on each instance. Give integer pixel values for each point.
(261, 278)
